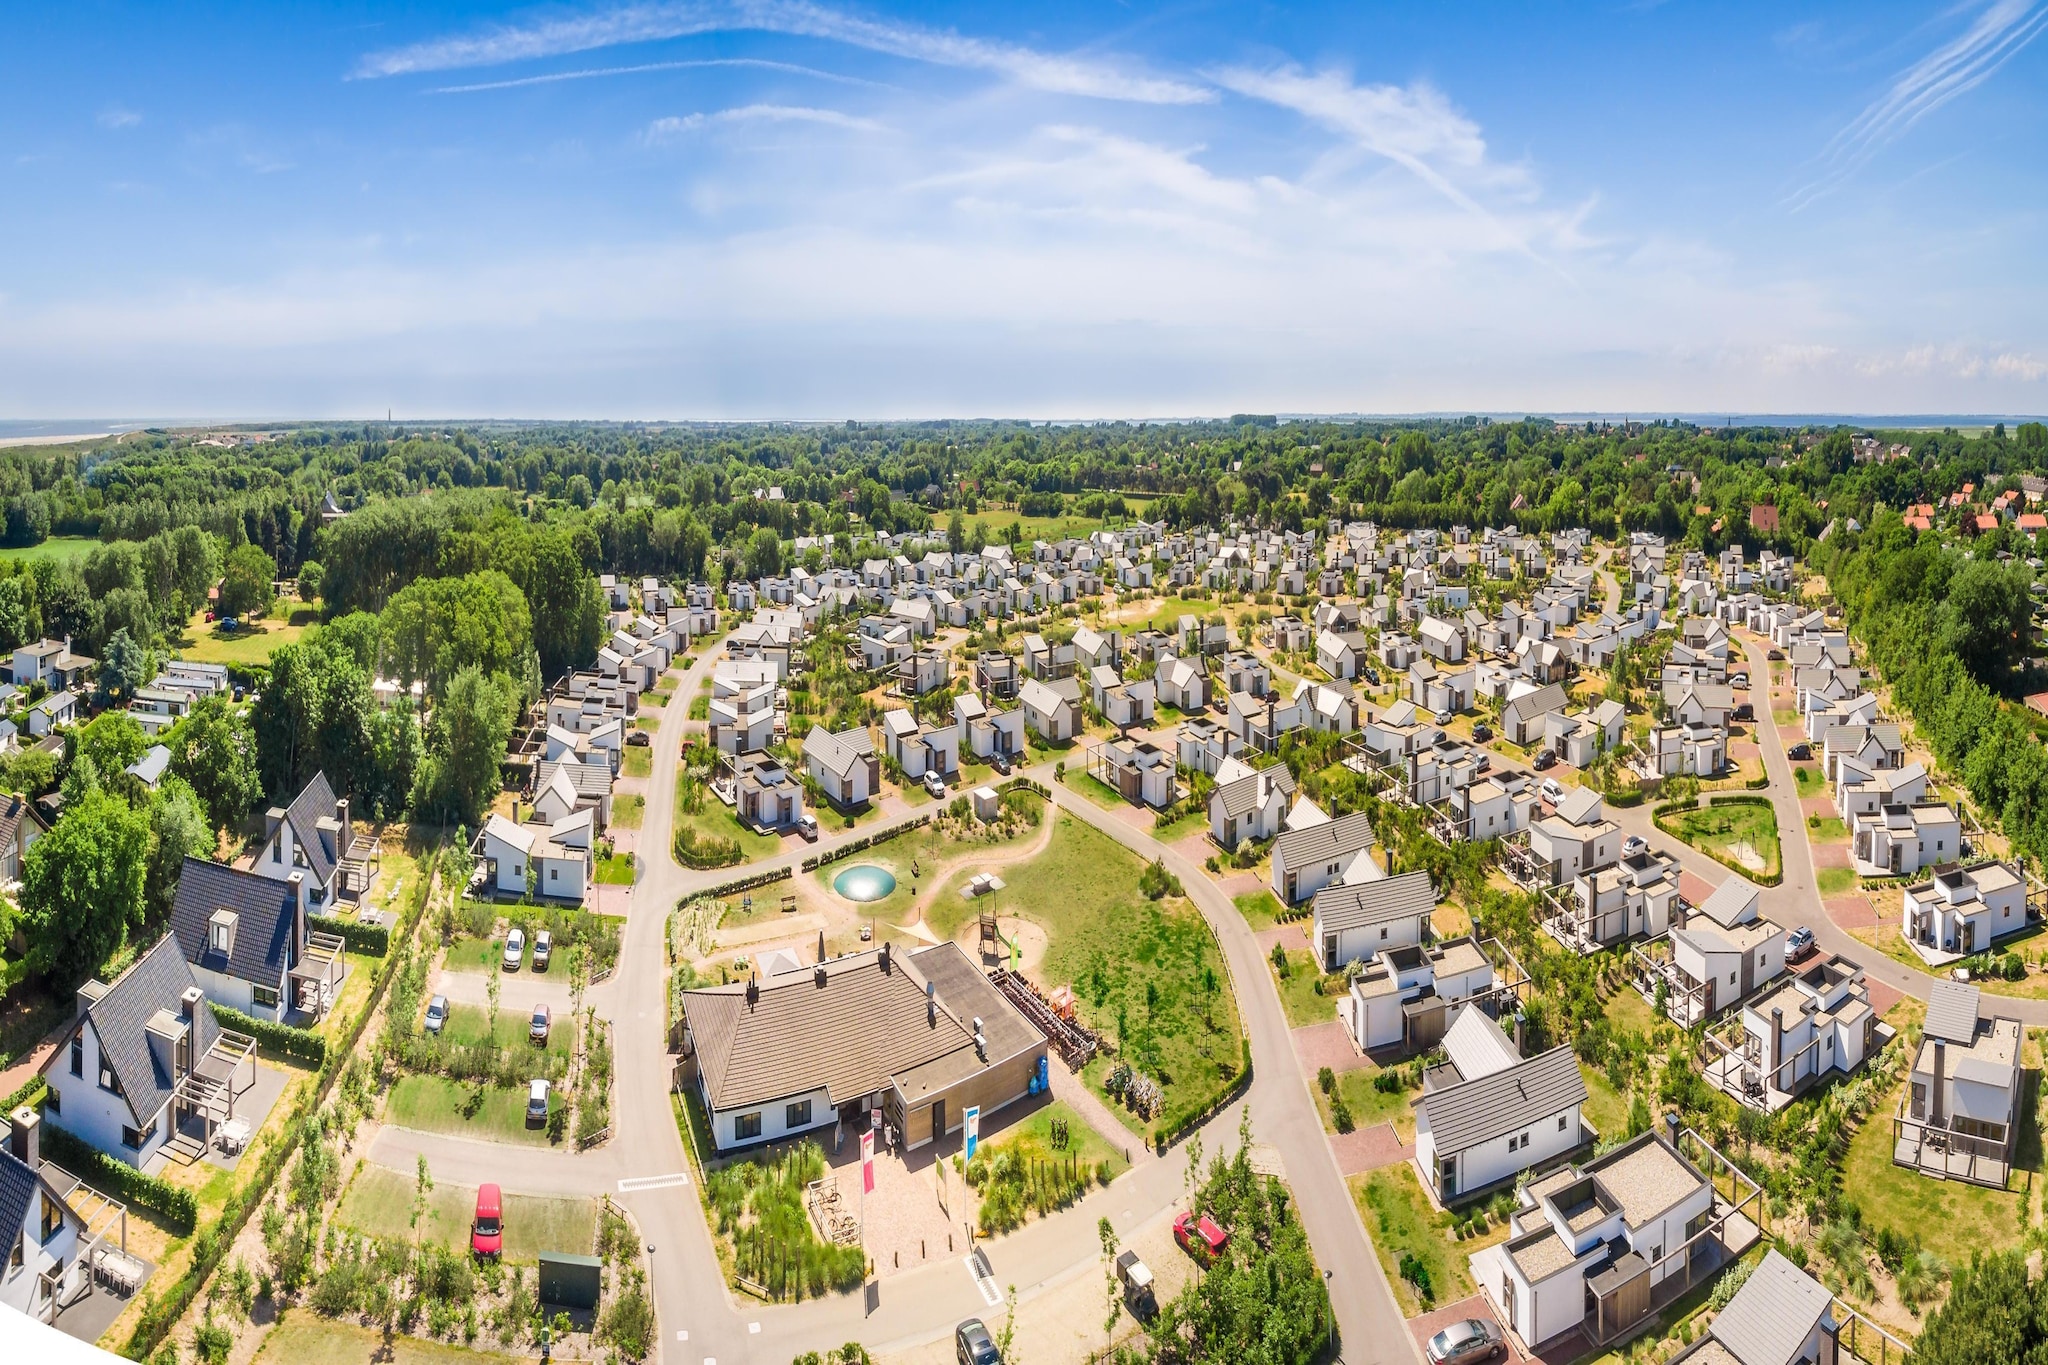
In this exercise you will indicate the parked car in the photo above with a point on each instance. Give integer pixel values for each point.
(1463, 1343)
(640, 737)
(1738, 680)
(537, 1102)
(487, 1229)
(1800, 752)
(543, 949)
(1552, 789)
(1199, 1236)
(1482, 732)
(935, 784)
(1000, 762)
(1136, 1279)
(1634, 844)
(1775, 656)
(807, 825)
(515, 949)
(1546, 759)
(1799, 942)
(437, 1013)
(974, 1346)
(1746, 711)
(537, 1027)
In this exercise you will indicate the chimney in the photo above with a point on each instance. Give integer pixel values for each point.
(931, 1003)
(272, 818)
(188, 1003)
(818, 976)
(24, 1137)
(753, 991)
(1671, 1127)
(885, 959)
(1940, 1063)
(821, 945)
(1777, 1046)
(297, 883)
(347, 828)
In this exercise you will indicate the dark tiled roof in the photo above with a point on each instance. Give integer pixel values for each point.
(264, 926)
(1952, 1012)
(1771, 1316)
(1470, 1112)
(1243, 795)
(157, 981)
(1346, 834)
(307, 810)
(17, 819)
(1360, 904)
(17, 1189)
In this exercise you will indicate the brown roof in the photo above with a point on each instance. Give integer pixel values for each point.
(865, 1027)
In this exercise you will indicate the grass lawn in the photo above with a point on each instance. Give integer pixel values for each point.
(1627, 1009)
(471, 1023)
(1191, 823)
(1828, 831)
(56, 547)
(485, 955)
(1952, 1219)
(1093, 788)
(1298, 994)
(305, 1338)
(638, 762)
(252, 644)
(435, 1104)
(714, 819)
(649, 722)
(629, 810)
(1834, 881)
(1261, 909)
(353, 996)
(1806, 776)
(1370, 1105)
(379, 1202)
(1606, 1108)
(1787, 717)
(1146, 971)
(615, 871)
(1742, 835)
(1400, 1219)
(1032, 1138)
(925, 849)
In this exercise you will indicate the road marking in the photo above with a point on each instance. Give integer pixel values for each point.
(682, 1336)
(753, 1329)
(984, 1279)
(653, 1182)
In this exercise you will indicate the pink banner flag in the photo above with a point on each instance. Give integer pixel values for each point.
(867, 1162)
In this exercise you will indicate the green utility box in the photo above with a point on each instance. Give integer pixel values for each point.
(568, 1280)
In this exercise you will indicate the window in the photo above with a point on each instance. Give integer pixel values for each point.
(1383, 931)
(746, 1126)
(109, 1082)
(1563, 1120)
(78, 1053)
(1731, 978)
(53, 1219)
(220, 938)
(263, 996)
(553, 873)
(14, 1256)
(53, 1102)
(137, 1138)
(277, 851)
(797, 1115)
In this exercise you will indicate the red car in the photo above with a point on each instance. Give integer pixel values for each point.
(487, 1233)
(1199, 1236)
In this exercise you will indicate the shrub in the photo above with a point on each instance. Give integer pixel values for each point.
(707, 851)
(1340, 1114)
(212, 1342)
(1326, 1081)
(281, 1040)
(175, 1204)
(1417, 1274)
(1280, 964)
(372, 940)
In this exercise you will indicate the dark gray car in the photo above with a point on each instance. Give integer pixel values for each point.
(1462, 1343)
(974, 1346)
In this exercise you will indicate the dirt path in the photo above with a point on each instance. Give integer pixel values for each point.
(1002, 857)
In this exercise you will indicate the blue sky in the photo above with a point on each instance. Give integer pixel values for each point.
(792, 208)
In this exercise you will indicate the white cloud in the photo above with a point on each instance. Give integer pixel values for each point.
(1955, 68)
(643, 23)
(116, 118)
(665, 129)
(592, 73)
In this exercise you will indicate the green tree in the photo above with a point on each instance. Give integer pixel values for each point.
(124, 666)
(213, 750)
(82, 887)
(246, 581)
(313, 716)
(1985, 621)
(112, 740)
(465, 742)
(434, 628)
(178, 829)
(567, 607)
(764, 554)
(1994, 1313)
(311, 576)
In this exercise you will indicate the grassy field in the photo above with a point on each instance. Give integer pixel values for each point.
(1146, 971)
(1094, 789)
(379, 1202)
(638, 762)
(615, 871)
(1031, 1138)
(486, 955)
(57, 547)
(305, 1338)
(714, 819)
(1298, 994)
(435, 1104)
(1401, 1220)
(629, 810)
(1606, 1108)
(254, 643)
(1806, 777)
(471, 1023)
(1742, 835)
(1952, 1219)
(924, 849)
(1834, 881)
(1261, 909)
(1193, 822)
(1369, 1104)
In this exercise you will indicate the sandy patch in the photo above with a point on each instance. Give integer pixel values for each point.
(1028, 938)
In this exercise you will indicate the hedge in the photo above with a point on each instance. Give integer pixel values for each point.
(372, 940)
(176, 1205)
(30, 1094)
(281, 1040)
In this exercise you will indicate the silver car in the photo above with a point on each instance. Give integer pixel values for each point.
(1462, 1343)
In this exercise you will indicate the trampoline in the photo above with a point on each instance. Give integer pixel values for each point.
(865, 882)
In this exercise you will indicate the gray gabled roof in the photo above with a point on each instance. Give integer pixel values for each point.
(1345, 835)
(838, 753)
(312, 805)
(1468, 1113)
(1241, 796)
(266, 921)
(1952, 1012)
(1772, 1315)
(1545, 699)
(17, 1189)
(1360, 905)
(157, 981)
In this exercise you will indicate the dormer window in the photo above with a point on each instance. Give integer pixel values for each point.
(220, 932)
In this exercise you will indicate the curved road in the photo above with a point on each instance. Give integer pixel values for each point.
(922, 1305)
